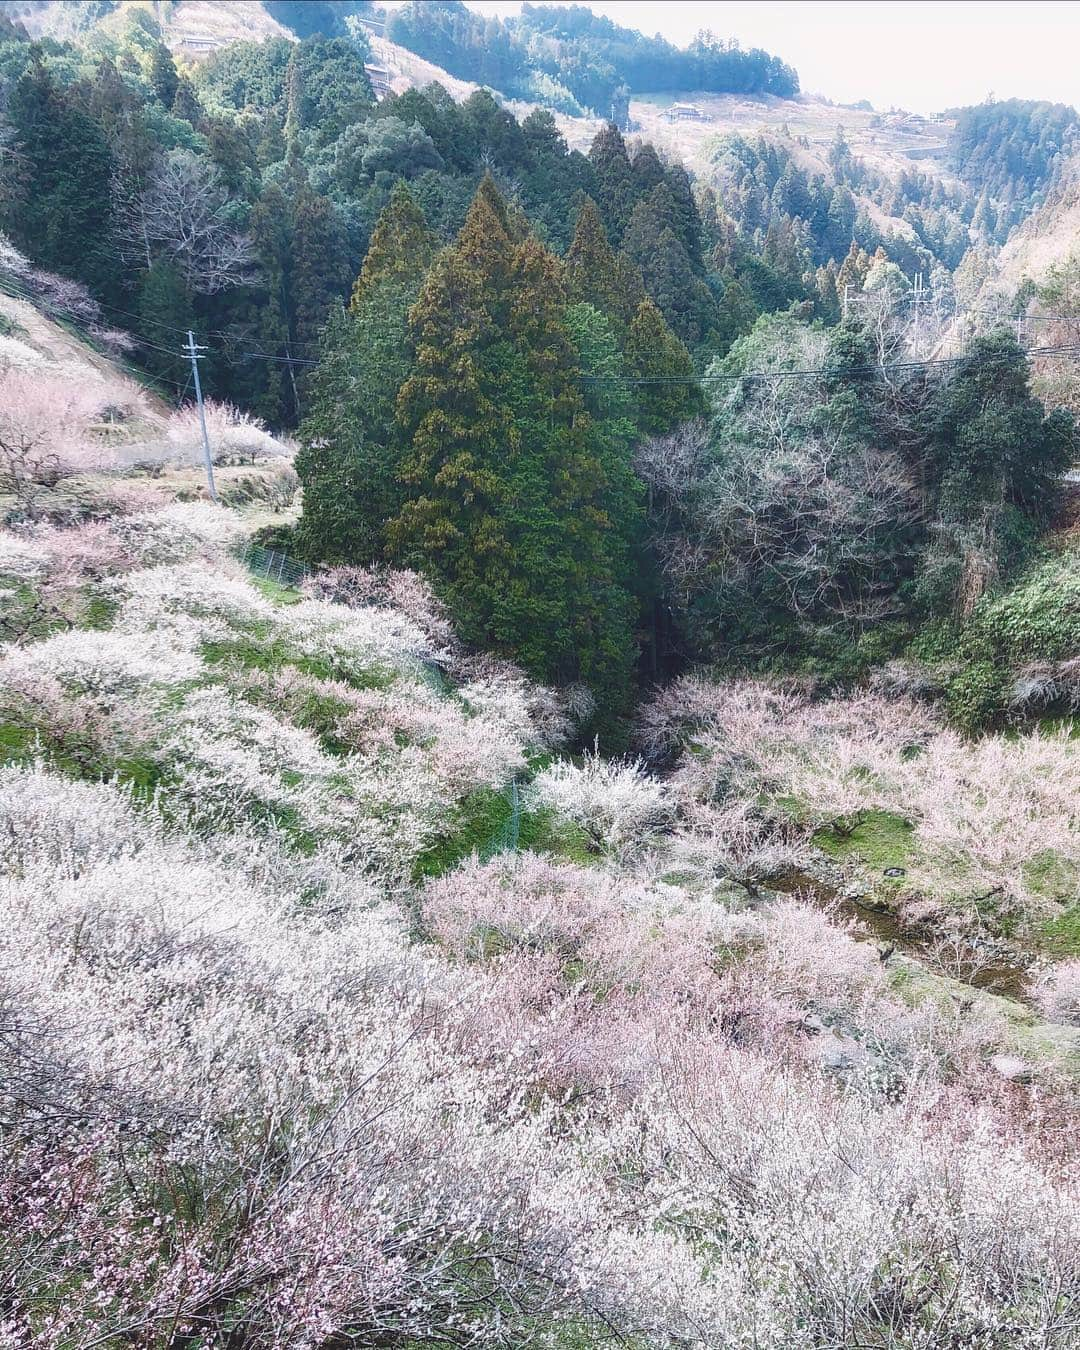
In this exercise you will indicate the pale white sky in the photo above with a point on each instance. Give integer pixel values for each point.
(916, 54)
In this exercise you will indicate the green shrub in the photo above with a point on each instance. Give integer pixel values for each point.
(977, 696)
(477, 825)
(1037, 619)
(279, 538)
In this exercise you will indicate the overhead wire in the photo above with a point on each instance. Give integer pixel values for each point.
(24, 293)
(168, 387)
(232, 355)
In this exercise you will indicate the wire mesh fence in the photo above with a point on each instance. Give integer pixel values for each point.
(274, 565)
(507, 837)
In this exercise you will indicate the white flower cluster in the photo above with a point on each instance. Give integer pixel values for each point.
(178, 531)
(617, 804)
(985, 815)
(20, 559)
(103, 665)
(235, 436)
(380, 640)
(190, 1000)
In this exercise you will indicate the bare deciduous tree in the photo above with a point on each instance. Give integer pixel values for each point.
(186, 216)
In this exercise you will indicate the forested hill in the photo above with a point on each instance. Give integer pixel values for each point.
(321, 241)
(568, 59)
(1012, 149)
(578, 61)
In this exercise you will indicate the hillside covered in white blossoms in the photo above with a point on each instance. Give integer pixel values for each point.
(539, 688)
(341, 1006)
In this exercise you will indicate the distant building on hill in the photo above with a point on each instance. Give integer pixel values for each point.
(686, 112)
(197, 43)
(372, 24)
(913, 123)
(380, 81)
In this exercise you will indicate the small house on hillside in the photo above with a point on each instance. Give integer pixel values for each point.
(380, 81)
(198, 45)
(686, 112)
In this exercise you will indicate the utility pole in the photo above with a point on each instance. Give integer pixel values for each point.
(193, 352)
(847, 290)
(916, 297)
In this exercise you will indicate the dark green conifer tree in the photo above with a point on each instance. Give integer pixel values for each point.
(63, 217)
(648, 169)
(652, 244)
(186, 104)
(991, 444)
(616, 189)
(459, 433)
(164, 79)
(400, 250)
(596, 274)
(350, 445)
(272, 392)
(735, 312)
(320, 265)
(110, 99)
(164, 306)
(511, 505)
(668, 392)
(686, 218)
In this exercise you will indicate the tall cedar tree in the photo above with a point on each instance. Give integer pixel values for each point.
(554, 180)
(271, 232)
(305, 269)
(304, 250)
(669, 392)
(596, 274)
(609, 399)
(321, 269)
(163, 77)
(648, 169)
(350, 445)
(62, 218)
(401, 247)
(616, 189)
(652, 244)
(510, 505)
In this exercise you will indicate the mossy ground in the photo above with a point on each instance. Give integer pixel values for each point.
(274, 590)
(257, 649)
(881, 840)
(1061, 935)
(483, 824)
(1056, 880)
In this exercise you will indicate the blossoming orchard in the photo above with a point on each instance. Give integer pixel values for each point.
(299, 1050)
(539, 687)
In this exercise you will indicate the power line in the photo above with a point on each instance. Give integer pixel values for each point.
(817, 372)
(24, 293)
(154, 347)
(63, 314)
(286, 360)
